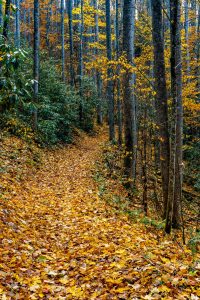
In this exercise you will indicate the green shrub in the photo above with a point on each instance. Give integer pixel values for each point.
(58, 105)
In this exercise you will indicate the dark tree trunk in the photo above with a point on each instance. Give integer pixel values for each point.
(6, 19)
(176, 43)
(81, 63)
(98, 76)
(145, 164)
(187, 39)
(110, 95)
(17, 24)
(1, 17)
(62, 12)
(36, 59)
(71, 43)
(129, 98)
(119, 106)
(161, 97)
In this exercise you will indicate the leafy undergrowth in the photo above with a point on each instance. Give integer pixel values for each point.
(61, 240)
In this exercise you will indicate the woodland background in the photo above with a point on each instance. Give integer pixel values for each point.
(127, 70)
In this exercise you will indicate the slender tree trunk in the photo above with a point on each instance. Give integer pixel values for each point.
(98, 76)
(119, 106)
(6, 19)
(81, 63)
(62, 12)
(17, 24)
(110, 95)
(145, 164)
(161, 96)
(176, 30)
(187, 39)
(1, 17)
(198, 53)
(71, 43)
(36, 59)
(129, 98)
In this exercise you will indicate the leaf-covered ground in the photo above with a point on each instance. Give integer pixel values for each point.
(59, 240)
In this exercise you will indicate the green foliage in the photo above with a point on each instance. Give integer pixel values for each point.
(192, 172)
(58, 105)
(14, 85)
(154, 223)
(194, 242)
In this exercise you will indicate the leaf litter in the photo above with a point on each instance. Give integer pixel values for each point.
(60, 240)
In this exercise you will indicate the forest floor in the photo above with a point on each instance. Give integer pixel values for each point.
(60, 240)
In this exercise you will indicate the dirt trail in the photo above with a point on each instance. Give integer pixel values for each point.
(63, 242)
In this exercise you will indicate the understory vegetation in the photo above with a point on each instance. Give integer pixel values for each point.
(58, 104)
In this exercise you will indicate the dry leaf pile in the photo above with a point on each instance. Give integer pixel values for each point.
(59, 240)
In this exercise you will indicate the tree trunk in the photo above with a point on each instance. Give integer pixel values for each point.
(187, 40)
(145, 164)
(198, 53)
(6, 19)
(62, 12)
(161, 97)
(81, 63)
(71, 43)
(1, 17)
(129, 98)
(17, 24)
(119, 106)
(176, 31)
(36, 59)
(98, 76)
(110, 95)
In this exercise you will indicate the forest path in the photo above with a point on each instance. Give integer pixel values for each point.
(65, 243)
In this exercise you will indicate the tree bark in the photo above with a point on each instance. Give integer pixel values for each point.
(176, 42)
(98, 76)
(62, 12)
(81, 63)
(129, 98)
(187, 39)
(36, 59)
(161, 105)
(119, 105)
(6, 19)
(1, 17)
(17, 24)
(71, 43)
(110, 95)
